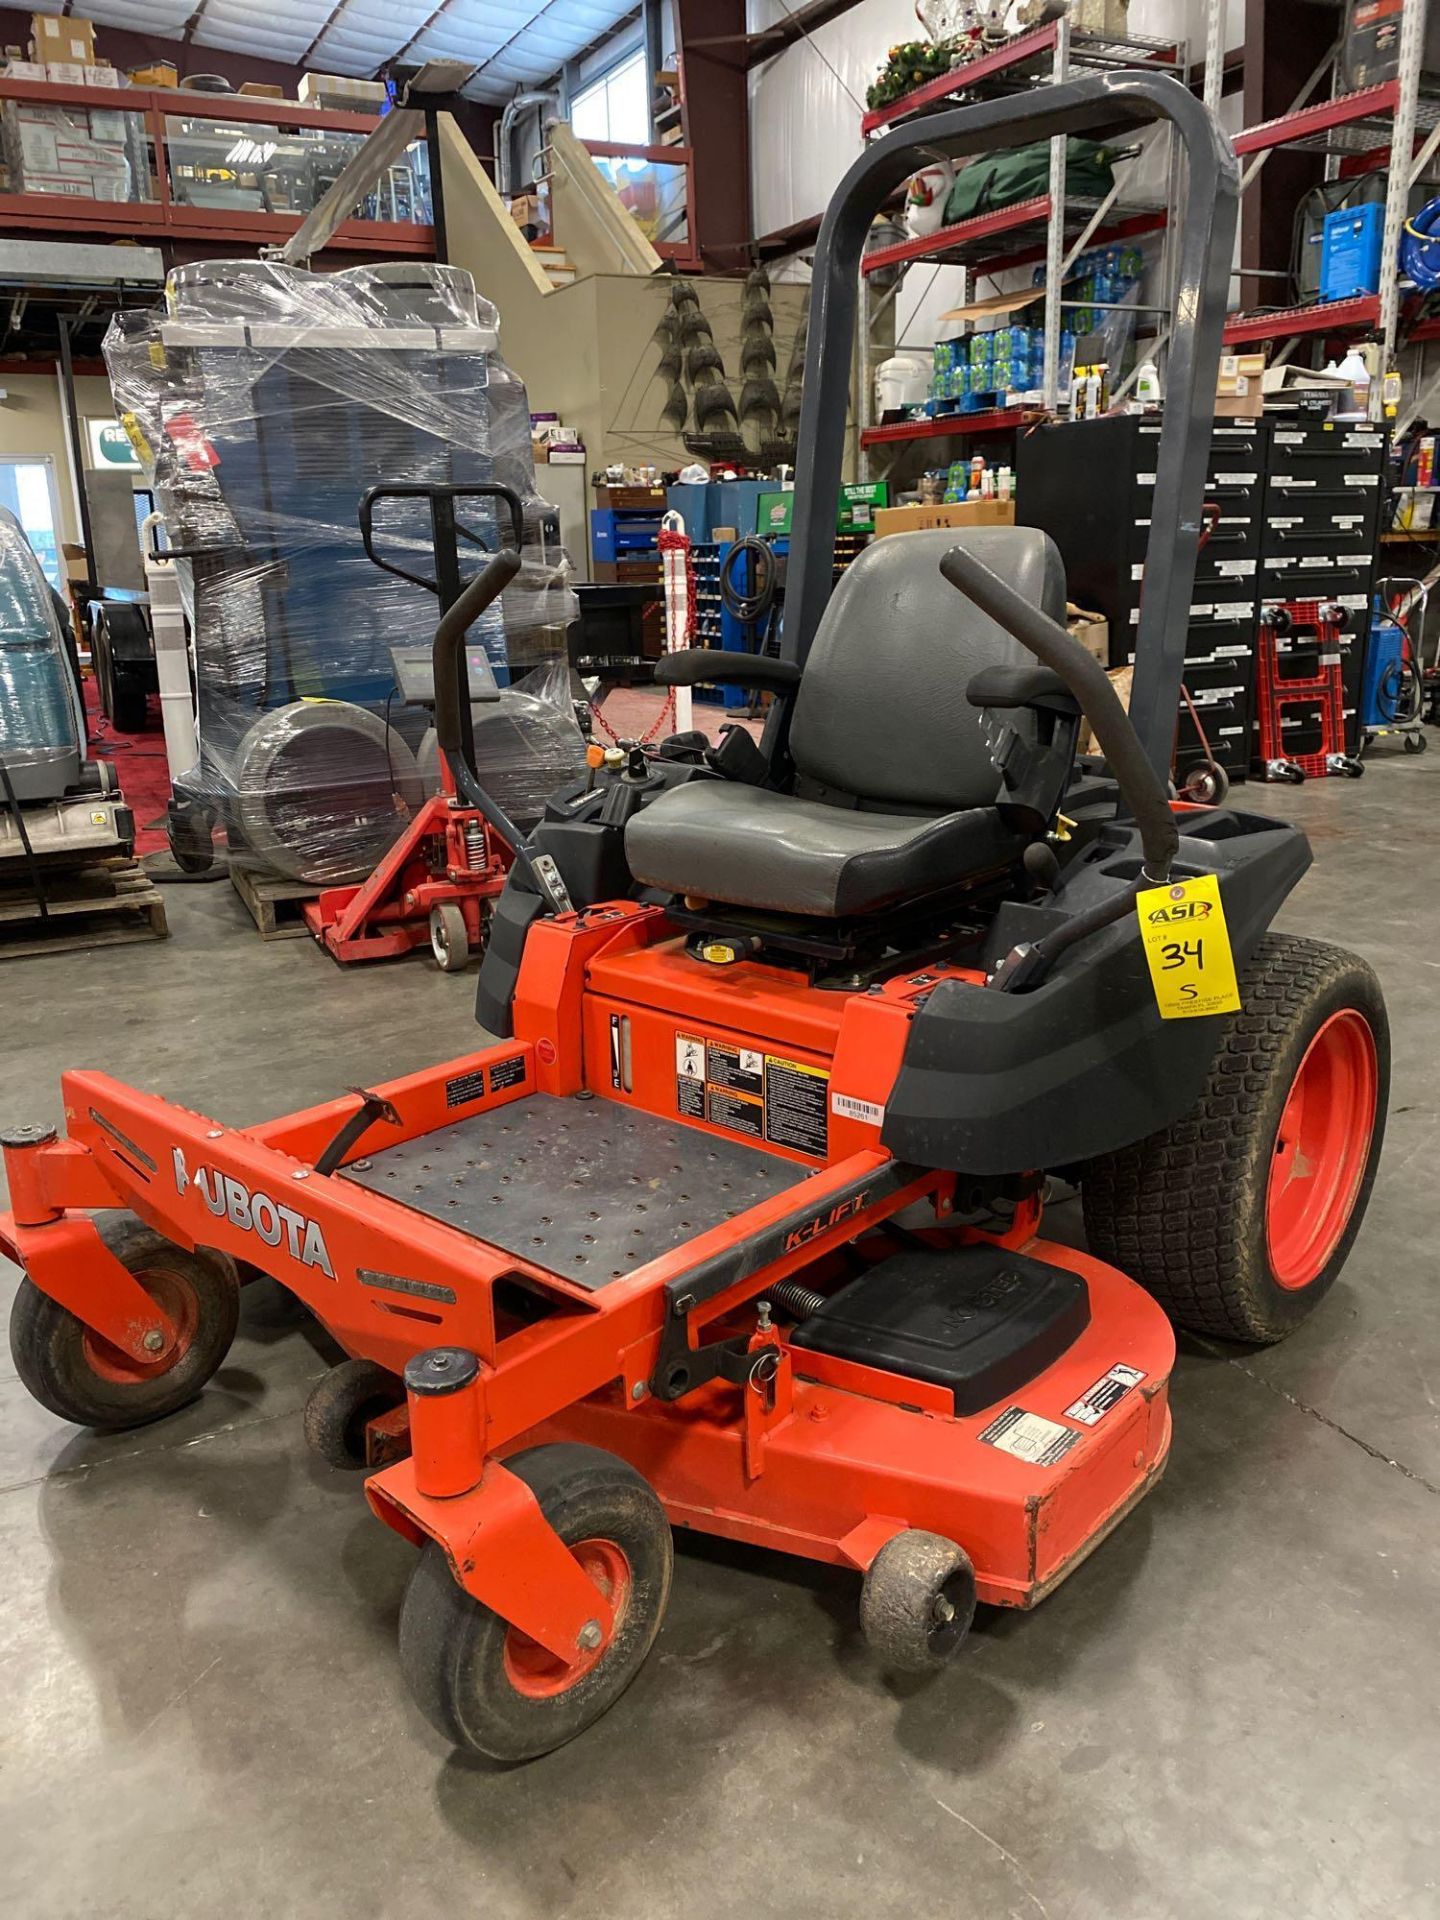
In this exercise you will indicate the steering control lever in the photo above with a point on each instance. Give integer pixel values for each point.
(1026, 965)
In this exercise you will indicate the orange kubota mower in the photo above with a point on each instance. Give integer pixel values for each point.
(737, 1227)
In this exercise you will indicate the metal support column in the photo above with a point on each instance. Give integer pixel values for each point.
(1214, 53)
(1055, 231)
(1397, 190)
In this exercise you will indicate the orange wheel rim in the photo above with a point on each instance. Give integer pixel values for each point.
(537, 1673)
(1321, 1149)
(177, 1299)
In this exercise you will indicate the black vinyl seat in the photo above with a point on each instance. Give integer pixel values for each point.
(895, 788)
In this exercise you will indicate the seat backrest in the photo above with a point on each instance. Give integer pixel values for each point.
(880, 713)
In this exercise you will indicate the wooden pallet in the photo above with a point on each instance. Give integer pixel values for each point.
(105, 904)
(277, 905)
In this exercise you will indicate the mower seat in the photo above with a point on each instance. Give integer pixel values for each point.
(895, 790)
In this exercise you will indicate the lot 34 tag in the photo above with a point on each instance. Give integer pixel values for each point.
(1187, 945)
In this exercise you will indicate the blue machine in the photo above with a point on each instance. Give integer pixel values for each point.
(1350, 251)
(1381, 683)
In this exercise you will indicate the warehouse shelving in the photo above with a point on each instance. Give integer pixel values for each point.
(1355, 130)
(1053, 227)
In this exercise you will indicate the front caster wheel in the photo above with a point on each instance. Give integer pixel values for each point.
(491, 1689)
(449, 938)
(82, 1378)
(341, 1407)
(917, 1601)
(1415, 743)
(1239, 1216)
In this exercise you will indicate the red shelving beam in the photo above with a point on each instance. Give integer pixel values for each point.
(1329, 316)
(963, 233)
(946, 426)
(1371, 103)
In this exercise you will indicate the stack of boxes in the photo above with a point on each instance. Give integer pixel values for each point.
(92, 153)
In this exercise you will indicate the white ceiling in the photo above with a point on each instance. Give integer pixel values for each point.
(512, 43)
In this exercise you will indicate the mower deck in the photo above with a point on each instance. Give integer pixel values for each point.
(583, 1187)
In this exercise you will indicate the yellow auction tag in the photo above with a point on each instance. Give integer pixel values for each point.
(1182, 927)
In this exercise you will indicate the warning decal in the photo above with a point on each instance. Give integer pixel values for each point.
(795, 1104)
(507, 1073)
(759, 1095)
(1029, 1437)
(1092, 1406)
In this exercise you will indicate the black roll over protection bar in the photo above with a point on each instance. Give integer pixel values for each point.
(1095, 105)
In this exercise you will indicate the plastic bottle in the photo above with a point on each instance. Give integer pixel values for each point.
(1147, 386)
(1354, 397)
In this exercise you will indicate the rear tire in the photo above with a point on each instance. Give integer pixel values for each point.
(82, 1378)
(487, 1687)
(1239, 1217)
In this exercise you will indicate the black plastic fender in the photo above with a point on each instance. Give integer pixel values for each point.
(998, 1083)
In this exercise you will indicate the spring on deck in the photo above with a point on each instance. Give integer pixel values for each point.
(799, 1302)
(475, 842)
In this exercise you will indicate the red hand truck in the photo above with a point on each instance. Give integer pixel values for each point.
(1315, 697)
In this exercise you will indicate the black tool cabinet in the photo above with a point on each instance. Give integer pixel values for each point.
(1299, 502)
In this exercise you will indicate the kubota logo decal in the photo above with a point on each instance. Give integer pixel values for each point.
(256, 1213)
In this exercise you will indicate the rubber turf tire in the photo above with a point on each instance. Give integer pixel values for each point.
(452, 1647)
(1183, 1212)
(897, 1602)
(47, 1340)
(340, 1405)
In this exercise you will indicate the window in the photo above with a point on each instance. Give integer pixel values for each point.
(27, 488)
(616, 107)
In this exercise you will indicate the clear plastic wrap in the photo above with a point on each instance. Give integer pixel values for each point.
(265, 401)
(39, 712)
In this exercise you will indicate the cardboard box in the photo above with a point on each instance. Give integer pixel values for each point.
(63, 38)
(261, 90)
(103, 76)
(957, 513)
(65, 73)
(527, 211)
(1240, 388)
(157, 73)
(24, 70)
(1092, 630)
(341, 92)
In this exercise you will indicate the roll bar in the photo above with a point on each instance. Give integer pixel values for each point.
(1095, 105)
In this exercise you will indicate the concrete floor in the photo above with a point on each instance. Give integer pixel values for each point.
(1232, 1710)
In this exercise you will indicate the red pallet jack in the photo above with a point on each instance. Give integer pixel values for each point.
(1320, 695)
(437, 883)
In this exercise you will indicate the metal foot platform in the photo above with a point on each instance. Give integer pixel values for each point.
(585, 1187)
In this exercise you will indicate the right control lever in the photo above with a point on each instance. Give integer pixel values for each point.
(1027, 964)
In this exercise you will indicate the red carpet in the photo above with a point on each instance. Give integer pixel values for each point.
(139, 763)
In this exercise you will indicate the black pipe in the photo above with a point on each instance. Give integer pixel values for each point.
(1140, 787)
